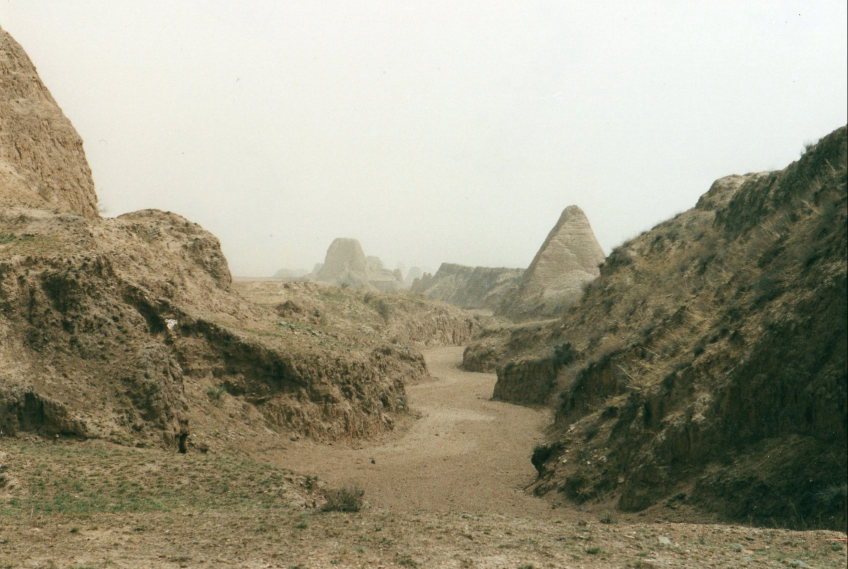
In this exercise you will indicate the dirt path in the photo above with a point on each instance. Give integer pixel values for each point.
(465, 454)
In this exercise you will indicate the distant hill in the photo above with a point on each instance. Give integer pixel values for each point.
(346, 265)
(290, 273)
(468, 287)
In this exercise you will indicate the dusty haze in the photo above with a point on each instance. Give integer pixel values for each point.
(430, 132)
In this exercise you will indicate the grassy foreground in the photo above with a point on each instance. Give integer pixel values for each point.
(96, 505)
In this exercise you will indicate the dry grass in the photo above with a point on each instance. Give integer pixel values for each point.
(92, 477)
(98, 505)
(348, 498)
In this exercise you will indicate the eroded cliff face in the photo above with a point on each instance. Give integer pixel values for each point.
(706, 366)
(128, 329)
(468, 287)
(42, 163)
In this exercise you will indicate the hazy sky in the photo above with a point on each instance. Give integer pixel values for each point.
(430, 130)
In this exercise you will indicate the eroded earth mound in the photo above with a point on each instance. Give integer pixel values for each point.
(567, 260)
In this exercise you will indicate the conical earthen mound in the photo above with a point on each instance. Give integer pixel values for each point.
(567, 260)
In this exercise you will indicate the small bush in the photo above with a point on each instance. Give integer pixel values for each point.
(215, 392)
(345, 499)
(384, 309)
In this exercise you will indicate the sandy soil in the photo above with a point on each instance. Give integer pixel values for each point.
(464, 453)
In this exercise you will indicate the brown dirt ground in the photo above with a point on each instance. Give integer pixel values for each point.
(443, 492)
(463, 453)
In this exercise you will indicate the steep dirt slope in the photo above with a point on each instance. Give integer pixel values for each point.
(502, 341)
(468, 287)
(707, 364)
(42, 163)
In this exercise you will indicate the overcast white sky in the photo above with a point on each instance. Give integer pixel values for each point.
(430, 130)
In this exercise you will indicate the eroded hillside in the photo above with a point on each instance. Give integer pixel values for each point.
(316, 309)
(707, 364)
(136, 314)
(128, 329)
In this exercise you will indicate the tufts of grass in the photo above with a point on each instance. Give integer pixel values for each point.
(607, 518)
(215, 392)
(345, 499)
(94, 478)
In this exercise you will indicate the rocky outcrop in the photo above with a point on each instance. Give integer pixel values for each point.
(136, 314)
(344, 265)
(566, 262)
(347, 266)
(707, 364)
(42, 164)
(468, 287)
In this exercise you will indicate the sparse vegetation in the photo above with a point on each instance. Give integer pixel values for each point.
(349, 498)
(258, 505)
(406, 561)
(216, 392)
(58, 478)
